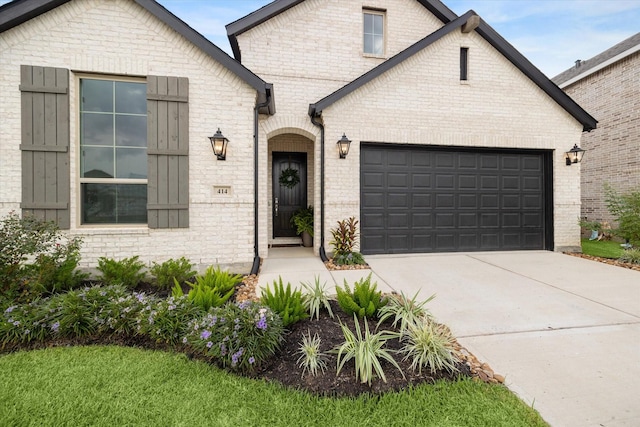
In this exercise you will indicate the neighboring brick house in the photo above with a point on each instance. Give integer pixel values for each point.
(608, 86)
(457, 141)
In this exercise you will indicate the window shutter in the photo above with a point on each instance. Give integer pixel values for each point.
(168, 152)
(45, 143)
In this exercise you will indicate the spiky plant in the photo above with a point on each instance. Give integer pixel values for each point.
(315, 297)
(430, 345)
(367, 351)
(404, 310)
(311, 358)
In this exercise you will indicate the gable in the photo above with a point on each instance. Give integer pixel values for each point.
(19, 12)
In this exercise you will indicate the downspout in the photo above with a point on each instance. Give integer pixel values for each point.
(323, 255)
(256, 259)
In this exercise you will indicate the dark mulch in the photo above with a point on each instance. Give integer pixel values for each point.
(284, 367)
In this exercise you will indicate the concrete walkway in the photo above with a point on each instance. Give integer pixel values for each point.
(564, 331)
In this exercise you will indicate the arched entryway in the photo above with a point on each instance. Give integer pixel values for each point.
(291, 172)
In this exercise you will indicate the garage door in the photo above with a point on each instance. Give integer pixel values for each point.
(426, 199)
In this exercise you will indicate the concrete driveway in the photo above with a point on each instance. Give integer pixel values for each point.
(564, 331)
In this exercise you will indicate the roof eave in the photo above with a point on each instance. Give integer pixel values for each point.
(254, 19)
(17, 12)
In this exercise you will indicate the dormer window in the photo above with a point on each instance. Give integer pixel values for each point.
(373, 32)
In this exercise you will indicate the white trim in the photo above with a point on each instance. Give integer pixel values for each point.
(600, 66)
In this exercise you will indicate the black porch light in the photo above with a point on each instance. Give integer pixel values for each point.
(574, 155)
(219, 145)
(343, 146)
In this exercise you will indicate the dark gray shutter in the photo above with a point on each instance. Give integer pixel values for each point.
(168, 152)
(45, 143)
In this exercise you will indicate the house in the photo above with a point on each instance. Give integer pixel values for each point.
(457, 142)
(607, 85)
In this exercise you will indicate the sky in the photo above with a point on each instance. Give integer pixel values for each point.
(552, 34)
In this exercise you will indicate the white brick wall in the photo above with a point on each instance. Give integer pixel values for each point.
(420, 101)
(119, 37)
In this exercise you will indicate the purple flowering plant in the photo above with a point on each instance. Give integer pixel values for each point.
(237, 336)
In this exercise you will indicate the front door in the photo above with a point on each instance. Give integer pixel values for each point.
(289, 190)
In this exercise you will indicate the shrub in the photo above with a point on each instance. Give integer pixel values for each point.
(302, 219)
(366, 350)
(35, 256)
(122, 313)
(631, 256)
(167, 320)
(127, 271)
(285, 303)
(315, 297)
(311, 358)
(351, 258)
(364, 301)
(404, 310)
(430, 345)
(239, 336)
(212, 289)
(58, 271)
(345, 236)
(626, 210)
(172, 270)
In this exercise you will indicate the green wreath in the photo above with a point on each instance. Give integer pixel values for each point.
(289, 178)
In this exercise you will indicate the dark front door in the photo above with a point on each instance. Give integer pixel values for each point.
(290, 194)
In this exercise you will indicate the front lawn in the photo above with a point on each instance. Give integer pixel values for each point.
(602, 248)
(108, 385)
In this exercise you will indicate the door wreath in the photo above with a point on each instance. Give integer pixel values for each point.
(289, 178)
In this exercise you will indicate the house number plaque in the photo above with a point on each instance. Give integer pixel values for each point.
(221, 190)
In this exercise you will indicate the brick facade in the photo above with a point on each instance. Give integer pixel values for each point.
(612, 95)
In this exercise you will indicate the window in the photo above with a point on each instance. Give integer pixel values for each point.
(113, 151)
(464, 63)
(374, 33)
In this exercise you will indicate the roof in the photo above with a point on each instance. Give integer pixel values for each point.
(447, 16)
(610, 56)
(18, 12)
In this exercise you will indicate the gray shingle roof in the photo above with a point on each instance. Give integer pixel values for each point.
(585, 66)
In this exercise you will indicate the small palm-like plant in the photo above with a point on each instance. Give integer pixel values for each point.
(311, 358)
(315, 297)
(431, 345)
(366, 350)
(405, 311)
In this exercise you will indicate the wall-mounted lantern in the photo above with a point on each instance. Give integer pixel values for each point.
(219, 145)
(574, 155)
(343, 146)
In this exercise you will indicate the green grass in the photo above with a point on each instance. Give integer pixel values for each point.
(603, 248)
(107, 386)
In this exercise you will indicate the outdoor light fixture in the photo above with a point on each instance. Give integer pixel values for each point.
(574, 155)
(343, 146)
(219, 145)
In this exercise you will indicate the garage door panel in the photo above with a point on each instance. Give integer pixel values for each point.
(445, 201)
(372, 200)
(427, 199)
(420, 200)
(372, 221)
(398, 200)
(398, 220)
(421, 220)
(373, 180)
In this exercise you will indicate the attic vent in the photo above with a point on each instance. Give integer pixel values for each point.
(578, 63)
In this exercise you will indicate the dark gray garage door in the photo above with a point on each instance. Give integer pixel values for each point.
(426, 199)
